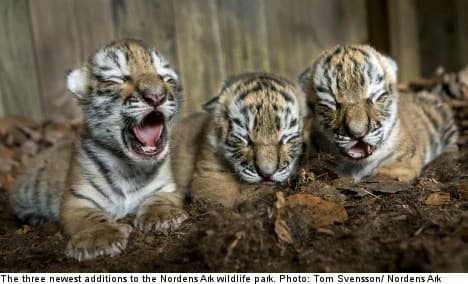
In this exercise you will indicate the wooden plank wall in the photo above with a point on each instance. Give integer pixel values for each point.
(208, 40)
(19, 85)
(403, 29)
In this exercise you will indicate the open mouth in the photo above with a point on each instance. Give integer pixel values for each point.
(149, 135)
(360, 150)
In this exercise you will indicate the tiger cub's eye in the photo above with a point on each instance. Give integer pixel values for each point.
(171, 81)
(235, 140)
(382, 97)
(114, 80)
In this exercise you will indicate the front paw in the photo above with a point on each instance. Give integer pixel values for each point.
(161, 218)
(102, 239)
(398, 174)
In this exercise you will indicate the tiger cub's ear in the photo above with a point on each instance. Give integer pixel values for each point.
(77, 81)
(210, 105)
(305, 80)
(390, 66)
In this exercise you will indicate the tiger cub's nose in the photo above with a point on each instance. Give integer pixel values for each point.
(357, 131)
(155, 96)
(266, 162)
(265, 174)
(359, 134)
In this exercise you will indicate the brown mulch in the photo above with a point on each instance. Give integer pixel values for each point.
(319, 223)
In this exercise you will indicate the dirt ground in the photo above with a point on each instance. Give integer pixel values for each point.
(377, 225)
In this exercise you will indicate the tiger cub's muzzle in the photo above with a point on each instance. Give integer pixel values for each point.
(148, 136)
(355, 143)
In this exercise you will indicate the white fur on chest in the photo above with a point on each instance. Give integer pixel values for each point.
(123, 196)
(161, 182)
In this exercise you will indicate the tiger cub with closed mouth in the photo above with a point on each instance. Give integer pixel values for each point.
(365, 124)
(120, 164)
(251, 134)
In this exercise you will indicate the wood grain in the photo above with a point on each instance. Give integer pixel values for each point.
(57, 50)
(148, 20)
(377, 25)
(18, 80)
(403, 33)
(62, 42)
(208, 40)
(199, 51)
(443, 33)
(243, 34)
(2, 110)
(461, 6)
(298, 34)
(95, 26)
(355, 15)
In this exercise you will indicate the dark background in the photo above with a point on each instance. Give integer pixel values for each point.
(207, 40)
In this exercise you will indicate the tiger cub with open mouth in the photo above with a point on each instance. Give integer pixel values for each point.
(120, 164)
(251, 134)
(365, 124)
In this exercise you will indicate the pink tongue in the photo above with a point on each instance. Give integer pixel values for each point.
(148, 133)
(359, 150)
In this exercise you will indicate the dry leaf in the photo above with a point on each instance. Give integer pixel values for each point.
(31, 132)
(438, 198)
(15, 137)
(29, 148)
(281, 228)
(313, 211)
(429, 184)
(239, 236)
(326, 231)
(56, 132)
(383, 184)
(324, 190)
(6, 181)
(280, 200)
(6, 153)
(6, 165)
(10, 122)
(282, 231)
(321, 212)
(462, 190)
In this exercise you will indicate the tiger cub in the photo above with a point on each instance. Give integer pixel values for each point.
(252, 134)
(365, 124)
(120, 164)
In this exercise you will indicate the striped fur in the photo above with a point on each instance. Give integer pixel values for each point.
(106, 173)
(360, 118)
(252, 135)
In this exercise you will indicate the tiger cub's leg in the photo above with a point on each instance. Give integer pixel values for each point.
(222, 188)
(36, 194)
(405, 170)
(93, 231)
(399, 172)
(162, 211)
(219, 188)
(212, 183)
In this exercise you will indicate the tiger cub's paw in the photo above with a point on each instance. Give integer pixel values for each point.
(160, 218)
(102, 239)
(398, 173)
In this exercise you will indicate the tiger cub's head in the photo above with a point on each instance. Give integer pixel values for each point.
(351, 91)
(129, 96)
(258, 126)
